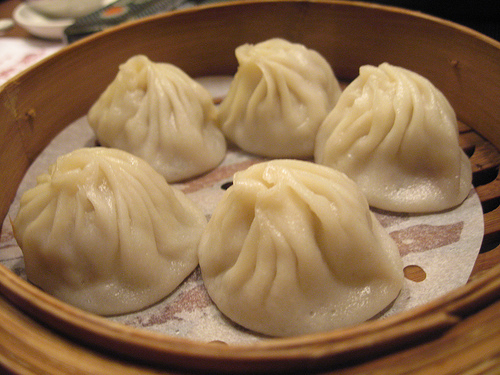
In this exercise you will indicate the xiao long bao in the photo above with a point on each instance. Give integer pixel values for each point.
(103, 231)
(395, 134)
(279, 96)
(159, 113)
(292, 248)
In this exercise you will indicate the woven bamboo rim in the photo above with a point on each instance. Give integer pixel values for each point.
(456, 333)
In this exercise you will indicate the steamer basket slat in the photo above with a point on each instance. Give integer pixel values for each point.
(456, 333)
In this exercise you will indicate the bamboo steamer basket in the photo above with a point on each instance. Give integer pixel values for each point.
(457, 333)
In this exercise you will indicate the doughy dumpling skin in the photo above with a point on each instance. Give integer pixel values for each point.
(279, 96)
(159, 113)
(104, 231)
(292, 248)
(395, 134)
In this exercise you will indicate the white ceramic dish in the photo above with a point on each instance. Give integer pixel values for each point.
(64, 8)
(41, 26)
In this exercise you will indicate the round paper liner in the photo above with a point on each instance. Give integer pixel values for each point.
(441, 246)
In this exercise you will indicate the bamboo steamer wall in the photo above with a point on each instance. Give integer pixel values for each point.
(40, 102)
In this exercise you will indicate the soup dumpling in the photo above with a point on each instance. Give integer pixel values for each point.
(395, 134)
(292, 248)
(103, 231)
(279, 96)
(159, 113)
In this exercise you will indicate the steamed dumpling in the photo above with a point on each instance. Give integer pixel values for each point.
(279, 96)
(157, 112)
(292, 248)
(104, 231)
(396, 135)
